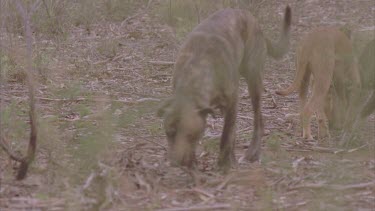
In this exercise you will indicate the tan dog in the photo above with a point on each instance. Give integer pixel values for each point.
(326, 54)
(225, 46)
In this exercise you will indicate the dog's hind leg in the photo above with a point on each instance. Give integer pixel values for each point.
(227, 142)
(255, 91)
(251, 70)
(303, 90)
(319, 93)
(323, 129)
(369, 107)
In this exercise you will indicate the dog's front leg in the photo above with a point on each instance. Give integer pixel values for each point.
(368, 108)
(226, 157)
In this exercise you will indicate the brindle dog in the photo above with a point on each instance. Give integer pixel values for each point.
(367, 71)
(225, 46)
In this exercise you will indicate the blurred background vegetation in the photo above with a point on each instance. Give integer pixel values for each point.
(79, 139)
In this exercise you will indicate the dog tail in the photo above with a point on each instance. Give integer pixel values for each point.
(277, 50)
(287, 91)
(302, 76)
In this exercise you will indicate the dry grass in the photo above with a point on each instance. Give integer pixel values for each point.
(101, 144)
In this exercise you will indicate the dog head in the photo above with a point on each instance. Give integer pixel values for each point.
(184, 125)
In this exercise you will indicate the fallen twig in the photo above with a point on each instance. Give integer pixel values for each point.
(273, 184)
(161, 62)
(142, 182)
(358, 148)
(102, 62)
(227, 180)
(136, 15)
(203, 207)
(296, 162)
(297, 150)
(324, 149)
(203, 192)
(274, 104)
(89, 181)
(335, 187)
(293, 205)
(129, 18)
(154, 142)
(97, 100)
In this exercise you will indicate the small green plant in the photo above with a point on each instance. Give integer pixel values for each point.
(69, 91)
(12, 63)
(185, 15)
(178, 14)
(211, 145)
(41, 62)
(108, 48)
(273, 142)
(128, 117)
(275, 151)
(85, 13)
(118, 10)
(266, 199)
(13, 123)
(154, 128)
(52, 18)
(83, 110)
(135, 115)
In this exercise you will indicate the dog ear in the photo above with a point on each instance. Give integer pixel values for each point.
(164, 107)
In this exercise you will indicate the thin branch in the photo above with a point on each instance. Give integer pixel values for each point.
(143, 182)
(21, 9)
(198, 11)
(336, 187)
(161, 62)
(97, 100)
(35, 7)
(293, 206)
(30, 82)
(89, 181)
(159, 144)
(47, 10)
(148, 4)
(227, 180)
(203, 207)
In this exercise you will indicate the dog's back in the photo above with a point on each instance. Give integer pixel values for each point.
(220, 39)
(219, 44)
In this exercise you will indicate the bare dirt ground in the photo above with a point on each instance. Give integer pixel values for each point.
(105, 88)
